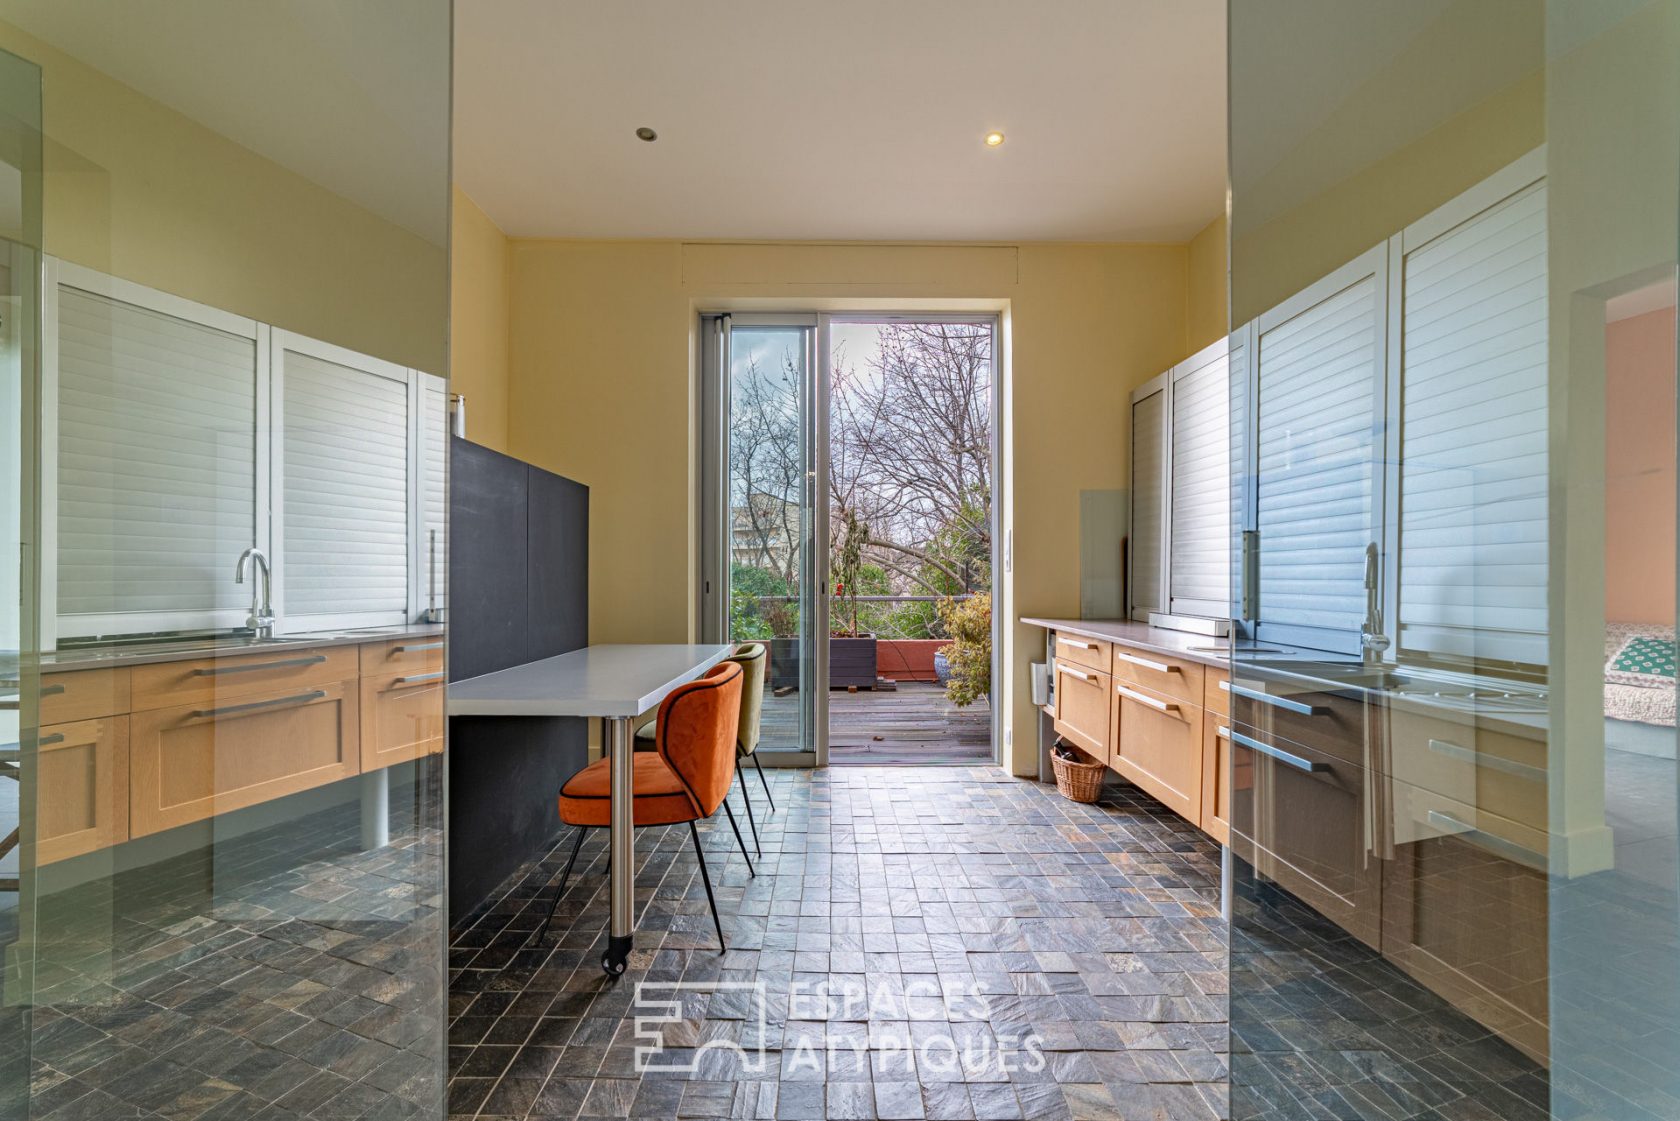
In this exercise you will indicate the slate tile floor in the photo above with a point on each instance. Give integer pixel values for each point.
(283, 975)
(963, 920)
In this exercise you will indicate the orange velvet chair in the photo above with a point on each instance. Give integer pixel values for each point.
(685, 778)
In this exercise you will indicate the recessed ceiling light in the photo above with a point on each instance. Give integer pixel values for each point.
(994, 139)
(646, 133)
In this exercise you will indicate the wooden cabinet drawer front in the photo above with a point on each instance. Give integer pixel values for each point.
(1168, 677)
(1092, 653)
(1302, 820)
(1495, 772)
(188, 762)
(1217, 778)
(402, 717)
(1335, 723)
(402, 656)
(83, 694)
(81, 794)
(1158, 745)
(1216, 692)
(1082, 699)
(202, 681)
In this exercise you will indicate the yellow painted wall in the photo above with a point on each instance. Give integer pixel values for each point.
(603, 391)
(478, 320)
(1209, 308)
(137, 190)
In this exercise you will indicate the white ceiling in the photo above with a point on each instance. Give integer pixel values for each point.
(809, 119)
(352, 96)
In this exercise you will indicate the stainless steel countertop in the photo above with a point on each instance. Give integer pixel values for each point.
(175, 650)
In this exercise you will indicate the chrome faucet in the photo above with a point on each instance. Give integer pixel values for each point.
(1372, 641)
(261, 619)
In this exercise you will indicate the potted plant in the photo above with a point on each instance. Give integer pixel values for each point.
(969, 653)
(851, 654)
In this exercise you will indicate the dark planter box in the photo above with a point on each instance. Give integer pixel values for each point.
(851, 662)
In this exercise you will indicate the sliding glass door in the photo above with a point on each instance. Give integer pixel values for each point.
(764, 574)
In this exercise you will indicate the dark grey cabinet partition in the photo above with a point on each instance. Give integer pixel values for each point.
(518, 592)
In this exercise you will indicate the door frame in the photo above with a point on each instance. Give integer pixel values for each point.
(713, 599)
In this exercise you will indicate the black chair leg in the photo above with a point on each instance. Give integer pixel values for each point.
(765, 781)
(752, 823)
(745, 855)
(542, 931)
(707, 880)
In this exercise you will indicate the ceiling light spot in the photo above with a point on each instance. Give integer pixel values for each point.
(994, 139)
(646, 133)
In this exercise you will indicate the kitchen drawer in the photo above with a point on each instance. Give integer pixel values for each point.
(1092, 653)
(402, 717)
(81, 791)
(1158, 745)
(204, 681)
(1339, 723)
(1216, 693)
(1082, 700)
(83, 694)
(188, 763)
(402, 656)
(1177, 680)
(1465, 911)
(1220, 778)
(1497, 772)
(1305, 821)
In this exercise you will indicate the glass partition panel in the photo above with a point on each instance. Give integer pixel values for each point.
(1452, 732)
(232, 814)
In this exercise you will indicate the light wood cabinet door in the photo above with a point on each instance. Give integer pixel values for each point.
(81, 793)
(402, 656)
(1158, 745)
(83, 694)
(1082, 700)
(1090, 653)
(1173, 678)
(1217, 779)
(194, 761)
(402, 717)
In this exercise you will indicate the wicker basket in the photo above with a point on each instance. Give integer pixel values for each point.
(1078, 782)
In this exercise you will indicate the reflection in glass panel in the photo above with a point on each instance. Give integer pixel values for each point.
(1453, 762)
(236, 824)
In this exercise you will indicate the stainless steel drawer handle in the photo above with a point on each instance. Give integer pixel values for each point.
(1492, 842)
(416, 647)
(284, 663)
(48, 741)
(1523, 771)
(1159, 667)
(1082, 675)
(1140, 698)
(253, 706)
(417, 678)
(1266, 698)
(1287, 758)
(51, 690)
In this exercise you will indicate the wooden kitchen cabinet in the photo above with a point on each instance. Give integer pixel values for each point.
(193, 761)
(1091, 653)
(1175, 679)
(83, 694)
(1082, 707)
(1217, 778)
(207, 682)
(402, 717)
(81, 791)
(1161, 748)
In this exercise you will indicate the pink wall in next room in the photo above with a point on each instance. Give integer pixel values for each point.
(1639, 498)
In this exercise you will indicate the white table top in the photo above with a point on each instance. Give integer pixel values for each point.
(606, 681)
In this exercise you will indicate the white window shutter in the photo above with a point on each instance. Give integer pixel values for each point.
(434, 442)
(344, 463)
(1473, 446)
(1318, 425)
(156, 465)
(1200, 552)
(1149, 467)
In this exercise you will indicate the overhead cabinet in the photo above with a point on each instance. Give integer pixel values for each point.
(176, 436)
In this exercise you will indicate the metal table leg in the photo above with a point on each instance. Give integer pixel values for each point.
(621, 840)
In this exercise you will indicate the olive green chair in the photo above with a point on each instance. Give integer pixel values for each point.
(754, 658)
